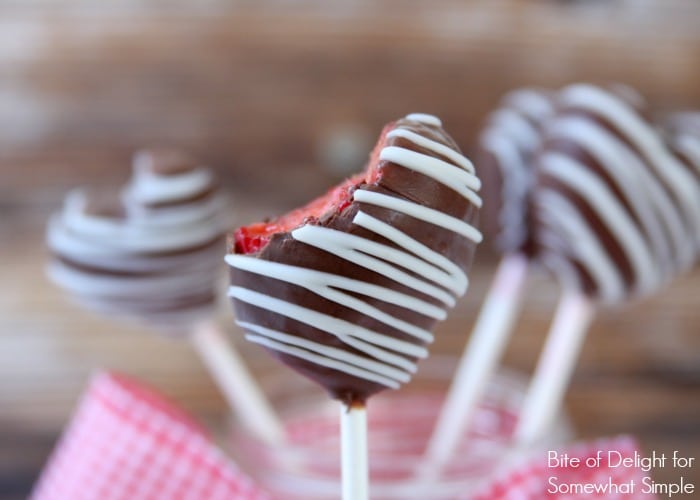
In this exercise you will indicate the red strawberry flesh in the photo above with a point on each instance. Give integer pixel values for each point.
(252, 238)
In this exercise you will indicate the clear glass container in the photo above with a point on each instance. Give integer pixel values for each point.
(399, 425)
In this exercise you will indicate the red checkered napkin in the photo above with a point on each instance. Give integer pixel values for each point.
(128, 443)
(537, 480)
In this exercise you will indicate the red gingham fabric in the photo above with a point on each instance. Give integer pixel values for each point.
(126, 442)
(531, 481)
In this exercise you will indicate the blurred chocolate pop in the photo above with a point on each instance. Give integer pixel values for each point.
(510, 139)
(596, 197)
(616, 217)
(508, 143)
(347, 289)
(152, 254)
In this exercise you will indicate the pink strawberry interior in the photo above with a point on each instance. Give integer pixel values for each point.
(252, 238)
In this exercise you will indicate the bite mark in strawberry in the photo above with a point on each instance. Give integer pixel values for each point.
(253, 238)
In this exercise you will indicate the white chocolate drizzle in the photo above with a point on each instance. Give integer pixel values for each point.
(513, 135)
(419, 212)
(668, 170)
(652, 216)
(607, 207)
(425, 118)
(157, 265)
(411, 264)
(454, 178)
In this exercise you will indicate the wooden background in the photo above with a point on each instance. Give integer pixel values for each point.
(282, 97)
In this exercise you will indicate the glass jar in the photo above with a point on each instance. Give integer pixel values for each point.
(399, 426)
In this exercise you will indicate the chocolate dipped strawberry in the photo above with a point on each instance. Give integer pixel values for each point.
(347, 289)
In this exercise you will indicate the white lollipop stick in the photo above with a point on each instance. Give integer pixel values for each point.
(555, 367)
(242, 393)
(485, 348)
(354, 454)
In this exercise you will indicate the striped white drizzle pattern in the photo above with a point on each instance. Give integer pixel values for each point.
(512, 136)
(387, 360)
(155, 265)
(653, 218)
(668, 169)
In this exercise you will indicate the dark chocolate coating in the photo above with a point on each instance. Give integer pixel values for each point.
(636, 225)
(510, 138)
(150, 265)
(394, 180)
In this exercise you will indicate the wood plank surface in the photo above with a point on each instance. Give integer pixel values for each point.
(259, 90)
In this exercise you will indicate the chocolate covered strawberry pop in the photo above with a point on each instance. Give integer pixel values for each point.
(617, 213)
(617, 216)
(150, 253)
(578, 180)
(347, 289)
(507, 145)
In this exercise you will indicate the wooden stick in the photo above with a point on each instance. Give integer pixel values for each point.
(243, 394)
(354, 454)
(555, 367)
(485, 348)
